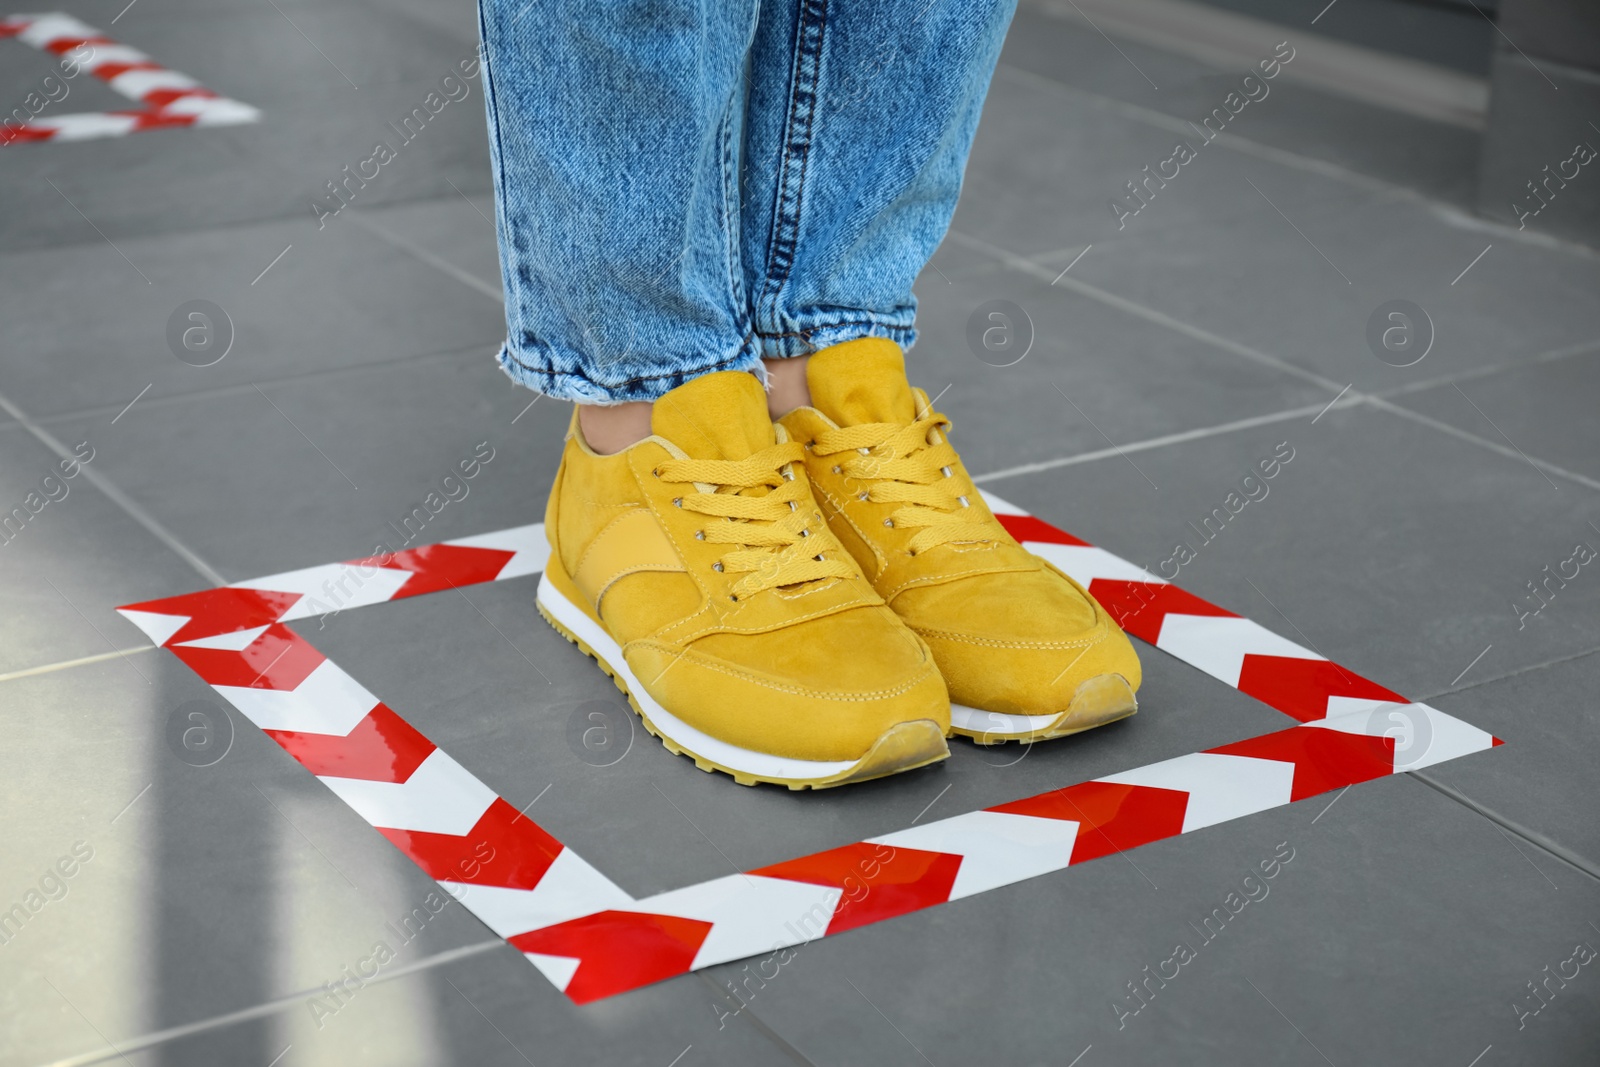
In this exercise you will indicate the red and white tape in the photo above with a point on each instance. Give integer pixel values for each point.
(169, 98)
(592, 940)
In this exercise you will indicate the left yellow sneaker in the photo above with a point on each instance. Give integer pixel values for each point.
(1026, 652)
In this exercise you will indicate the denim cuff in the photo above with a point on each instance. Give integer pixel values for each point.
(825, 328)
(534, 371)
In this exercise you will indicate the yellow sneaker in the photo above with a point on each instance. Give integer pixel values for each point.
(695, 567)
(1027, 653)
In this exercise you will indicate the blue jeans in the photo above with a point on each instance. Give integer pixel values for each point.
(688, 187)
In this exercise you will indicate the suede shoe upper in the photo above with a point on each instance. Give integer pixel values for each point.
(1010, 632)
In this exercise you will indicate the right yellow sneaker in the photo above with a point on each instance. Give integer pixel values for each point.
(1027, 653)
(696, 569)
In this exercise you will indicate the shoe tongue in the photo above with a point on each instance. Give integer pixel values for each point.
(861, 381)
(715, 416)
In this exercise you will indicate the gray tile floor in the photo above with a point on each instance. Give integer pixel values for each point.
(218, 901)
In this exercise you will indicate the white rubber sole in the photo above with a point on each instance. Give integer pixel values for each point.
(1102, 699)
(902, 747)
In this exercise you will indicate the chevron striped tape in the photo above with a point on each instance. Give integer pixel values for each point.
(592, 940)
(169, 98)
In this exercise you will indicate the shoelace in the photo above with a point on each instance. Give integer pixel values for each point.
(903, 464)
(771, 518)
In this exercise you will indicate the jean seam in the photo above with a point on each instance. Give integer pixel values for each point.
(809, 32)
(730, 222)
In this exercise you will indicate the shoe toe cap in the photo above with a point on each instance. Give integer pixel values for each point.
(1021, 643)
(824, 689)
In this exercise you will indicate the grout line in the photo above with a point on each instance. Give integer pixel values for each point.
(471, 281)
(1504, 675)
(315, 100)
(68, 664)
(1028, 266)
(266, 1008)
(1533, 837)
(121, 499)
(1544, 467)
(1154, 442)
(1554, 355)
(288, 379)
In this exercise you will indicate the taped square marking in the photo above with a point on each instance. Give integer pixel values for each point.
(592, 940)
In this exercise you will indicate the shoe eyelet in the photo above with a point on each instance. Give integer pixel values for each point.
(861, 496)
(837, 470)
(793, 506)
(717, 566)
(677, 501)
(911, 552)
(805, 533)
(946, 471)
(818, 558)
(733, 597)
(964, 502)
(810, 445)
(656, 472)
(699, 535)
(788, 475)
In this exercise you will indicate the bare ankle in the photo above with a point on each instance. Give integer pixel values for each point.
(786, 385)
(610, 428)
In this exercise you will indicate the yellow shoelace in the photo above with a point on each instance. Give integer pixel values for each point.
(905, 464)
(770, 515)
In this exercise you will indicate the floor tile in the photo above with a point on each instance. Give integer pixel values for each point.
(323, 468)
(277, 168)
(266, 57)
(457, 229)
(1544, 717)
(1323, 127)
(69, 554)
(100, 328)
(1448, 35)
